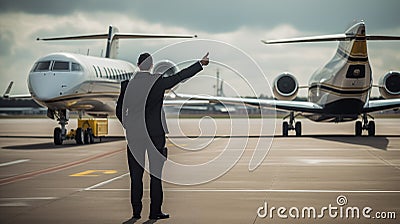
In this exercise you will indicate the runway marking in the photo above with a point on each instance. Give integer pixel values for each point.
(21, 202)
(14, 162)
(28, 198)
(29, 175)
(14, 204)
(105, 182)
(256, 190)
(96, 188)
(90, 173)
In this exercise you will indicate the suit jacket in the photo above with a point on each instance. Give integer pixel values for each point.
(144, 99)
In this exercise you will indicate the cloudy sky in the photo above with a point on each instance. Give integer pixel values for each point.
(230, 32)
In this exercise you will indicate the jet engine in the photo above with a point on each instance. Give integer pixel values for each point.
(389, 85)
(285, 87)
(165, 67)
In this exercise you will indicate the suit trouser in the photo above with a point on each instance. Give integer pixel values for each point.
(136, 168)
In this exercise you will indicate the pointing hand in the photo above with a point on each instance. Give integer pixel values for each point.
(205, 60)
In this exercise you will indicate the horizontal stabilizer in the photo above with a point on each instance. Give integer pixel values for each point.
(116, 36)
(377, 37)
(334, 37)
(325, 38)
(80, 37)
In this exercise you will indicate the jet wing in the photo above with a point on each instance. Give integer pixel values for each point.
(377, 105)
(299, 106)
(182, 102)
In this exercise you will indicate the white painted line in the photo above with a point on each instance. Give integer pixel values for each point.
(14, 204)
(14, 162)
(257, 190)
(105, 182)
(21, 202)
(28, 199)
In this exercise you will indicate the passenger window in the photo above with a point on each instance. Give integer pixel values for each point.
(105, 70)
(99, 72)
(95, 70)
(42, 66)
(61, 66)
(76, 67)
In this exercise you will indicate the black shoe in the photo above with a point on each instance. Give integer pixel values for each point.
(159, 216)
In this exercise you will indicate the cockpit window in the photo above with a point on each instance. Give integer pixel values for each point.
(61, 66)
(42, 66)
(75, 67)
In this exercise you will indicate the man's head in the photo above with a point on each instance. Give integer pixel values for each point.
(145, 62)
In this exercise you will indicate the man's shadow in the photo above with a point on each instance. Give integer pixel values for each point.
(133, 220)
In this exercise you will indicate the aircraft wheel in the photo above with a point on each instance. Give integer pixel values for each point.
(285, 129)
(57, 136)
(79, 137)
(371, 128)
(90, 135)
(358, 128)
(297, 128)
(86, 136)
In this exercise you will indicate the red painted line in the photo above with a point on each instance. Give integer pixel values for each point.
(29, 175)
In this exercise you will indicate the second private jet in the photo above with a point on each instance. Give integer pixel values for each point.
(338, 92)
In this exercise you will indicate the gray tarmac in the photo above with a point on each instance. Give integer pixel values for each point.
(327, 169)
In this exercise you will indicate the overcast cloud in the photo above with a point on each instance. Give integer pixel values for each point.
(241, 25)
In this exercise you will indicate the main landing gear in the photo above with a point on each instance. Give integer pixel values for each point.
(286, 127)
(87, 129)
(365, 125)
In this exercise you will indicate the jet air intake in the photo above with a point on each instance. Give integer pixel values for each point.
(165, 67)
(285, 87)
(389, 85)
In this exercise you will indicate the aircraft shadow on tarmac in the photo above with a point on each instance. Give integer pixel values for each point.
(377, 142)
(50, 145)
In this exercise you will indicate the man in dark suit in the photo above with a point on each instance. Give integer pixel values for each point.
(139, 108)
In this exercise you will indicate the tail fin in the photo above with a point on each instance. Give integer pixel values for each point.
(112, 44)
(112, 39)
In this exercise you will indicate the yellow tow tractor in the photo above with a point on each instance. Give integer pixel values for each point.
(88, 129)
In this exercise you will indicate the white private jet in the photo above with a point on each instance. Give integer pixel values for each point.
(337, 92)
(65, 82)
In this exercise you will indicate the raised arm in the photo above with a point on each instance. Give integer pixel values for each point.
(171, 81)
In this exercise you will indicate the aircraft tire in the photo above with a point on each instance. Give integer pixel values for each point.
(285, 129)
(79, 137)
(371, 128)
(86, 136)
(57, 136)
(297, 128)
(358, 128)
(90, 135)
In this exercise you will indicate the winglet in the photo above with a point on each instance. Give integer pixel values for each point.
(8, 90)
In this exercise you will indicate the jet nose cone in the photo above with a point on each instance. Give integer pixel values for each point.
(40, 86)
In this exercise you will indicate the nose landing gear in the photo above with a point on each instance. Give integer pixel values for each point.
(365, 125)
(286, 127)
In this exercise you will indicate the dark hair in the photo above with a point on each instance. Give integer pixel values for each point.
(145, 61)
